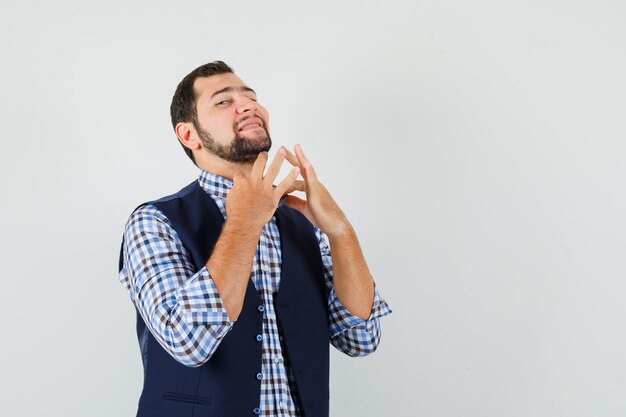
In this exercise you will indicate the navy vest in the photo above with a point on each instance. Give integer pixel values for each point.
(226, 385)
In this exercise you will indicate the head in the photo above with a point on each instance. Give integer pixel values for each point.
(214, 111)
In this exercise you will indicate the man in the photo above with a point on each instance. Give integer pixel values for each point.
(236, 289)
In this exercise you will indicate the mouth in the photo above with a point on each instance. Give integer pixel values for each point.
(252, 123)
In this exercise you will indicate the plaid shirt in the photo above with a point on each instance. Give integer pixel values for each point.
(183, 310)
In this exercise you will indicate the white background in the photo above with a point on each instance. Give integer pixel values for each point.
(476, 146)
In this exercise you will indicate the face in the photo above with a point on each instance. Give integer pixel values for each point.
(230, 122)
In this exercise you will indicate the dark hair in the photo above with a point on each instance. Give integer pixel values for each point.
(183, 107)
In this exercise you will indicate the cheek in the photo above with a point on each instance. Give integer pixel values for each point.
(266, 117)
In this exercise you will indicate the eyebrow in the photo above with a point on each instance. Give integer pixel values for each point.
(229, 89)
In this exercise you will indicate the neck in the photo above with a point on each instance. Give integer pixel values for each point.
(226, 169)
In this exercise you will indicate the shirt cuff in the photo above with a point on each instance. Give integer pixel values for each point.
(343, 320)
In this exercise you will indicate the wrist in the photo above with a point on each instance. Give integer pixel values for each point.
(340, 231)
(243, 227)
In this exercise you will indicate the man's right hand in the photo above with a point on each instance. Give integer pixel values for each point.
(253, 199)
(250, 204)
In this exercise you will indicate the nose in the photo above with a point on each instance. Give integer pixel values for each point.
(247, 105)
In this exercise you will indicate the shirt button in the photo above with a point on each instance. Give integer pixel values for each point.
(259, 337)
(281, 405)
(259, 376)
(257, 411)
(261, 308)
(278, 360)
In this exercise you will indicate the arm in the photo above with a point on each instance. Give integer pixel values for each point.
(181, 307)
(250, 204)
(352, 295)
(231, 262)
(189, 312)
(349, 333)
(353, 282)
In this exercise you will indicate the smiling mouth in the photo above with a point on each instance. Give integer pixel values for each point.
(251, 126)
(251, 123)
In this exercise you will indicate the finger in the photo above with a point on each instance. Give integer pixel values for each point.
(274, 168)
(259, 166)
(307, 168)
(296, 186)
(286, 183)
(291, 158)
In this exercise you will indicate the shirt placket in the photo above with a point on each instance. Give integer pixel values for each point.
(278, 383)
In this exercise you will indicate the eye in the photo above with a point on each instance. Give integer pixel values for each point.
(222, 102)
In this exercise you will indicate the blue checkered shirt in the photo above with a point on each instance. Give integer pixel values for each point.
(183, 310)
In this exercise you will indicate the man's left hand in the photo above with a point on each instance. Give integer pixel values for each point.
(319, 207)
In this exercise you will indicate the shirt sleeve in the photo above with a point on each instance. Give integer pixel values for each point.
(349, 333)
(180, 306)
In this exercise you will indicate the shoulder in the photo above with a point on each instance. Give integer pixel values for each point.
(182, 193)
(148, 213)
(146, 219)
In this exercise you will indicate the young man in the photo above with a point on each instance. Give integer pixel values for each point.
(236, 289)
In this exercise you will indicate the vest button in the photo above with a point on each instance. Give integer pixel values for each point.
(259, 376)
(259, 337)
(261, 308)
(256, 411)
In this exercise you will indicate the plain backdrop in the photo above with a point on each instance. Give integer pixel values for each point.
(477, 147)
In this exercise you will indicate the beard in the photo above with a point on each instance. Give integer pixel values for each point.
(241, 150)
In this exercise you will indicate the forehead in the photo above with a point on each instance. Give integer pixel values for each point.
(206, 86)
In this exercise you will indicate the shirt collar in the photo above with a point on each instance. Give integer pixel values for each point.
(219, 186)
(214, 184)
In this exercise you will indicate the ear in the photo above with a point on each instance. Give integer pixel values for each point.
(187, 135)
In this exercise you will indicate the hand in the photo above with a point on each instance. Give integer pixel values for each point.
(253, 199)
(319, 207)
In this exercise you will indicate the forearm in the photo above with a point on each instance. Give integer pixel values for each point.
(353, 282)
(230, 264)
